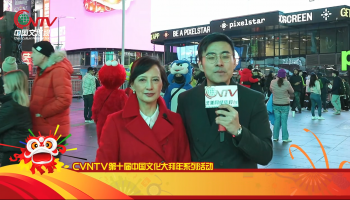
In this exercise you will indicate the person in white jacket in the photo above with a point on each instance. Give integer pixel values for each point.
(314, 87)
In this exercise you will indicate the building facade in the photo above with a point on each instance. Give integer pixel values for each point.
(310, 40)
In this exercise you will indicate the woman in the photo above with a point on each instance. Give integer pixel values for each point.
(145, 130)
(14, 115)
(315, 96)
(281, 91)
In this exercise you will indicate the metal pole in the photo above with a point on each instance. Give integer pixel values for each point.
(58, 43)
(123, 26)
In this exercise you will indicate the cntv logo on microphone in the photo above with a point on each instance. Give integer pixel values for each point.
(345, 60)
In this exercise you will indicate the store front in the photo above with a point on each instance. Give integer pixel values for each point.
(309, 40)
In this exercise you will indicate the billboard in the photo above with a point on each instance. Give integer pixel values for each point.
(98, 24)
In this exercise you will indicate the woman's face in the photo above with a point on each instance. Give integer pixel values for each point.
(148, 85)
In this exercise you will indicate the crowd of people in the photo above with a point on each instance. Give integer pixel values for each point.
(136, 125)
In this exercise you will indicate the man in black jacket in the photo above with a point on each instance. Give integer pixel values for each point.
(336, 92)
(324, 90)
(247, 141)
(297, 83)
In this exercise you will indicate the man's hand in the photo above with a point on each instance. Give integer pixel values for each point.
(38, 115)
(230, 120)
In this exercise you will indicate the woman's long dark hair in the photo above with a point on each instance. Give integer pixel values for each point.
(280, 82)
(313, 80)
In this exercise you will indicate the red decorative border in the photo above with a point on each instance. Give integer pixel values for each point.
(240, 197)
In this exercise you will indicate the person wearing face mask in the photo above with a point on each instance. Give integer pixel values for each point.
(145, 130)
(15, 117)
(51, 92)
(247, 139)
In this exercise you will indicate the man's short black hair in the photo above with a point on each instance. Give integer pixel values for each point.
(142, 65)
(90, 69)
(213, 37)
(250, 67)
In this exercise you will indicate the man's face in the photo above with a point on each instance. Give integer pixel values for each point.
(217, 63)
(300, 73)
(333, 74)
(295, 72)
(37, 57)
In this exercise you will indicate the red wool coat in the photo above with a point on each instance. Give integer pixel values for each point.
(127, 138)
(51, 96)
(247, 76)
(105, 103)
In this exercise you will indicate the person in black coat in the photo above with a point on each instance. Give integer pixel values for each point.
(1, 85)
(336, 92)
(297, 83)
(324, 90)
(15, 117)
(258, 86)
(247, 140)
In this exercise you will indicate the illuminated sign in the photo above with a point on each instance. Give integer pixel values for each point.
(345, 12)
(160, 36)
(249, 21)
(191, 31)
(345, 60)
(155, 36)
(302, 17)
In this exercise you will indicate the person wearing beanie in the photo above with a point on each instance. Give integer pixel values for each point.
(336, 91)
(9, 64)
(282, 91)
(324, 90)
(51, 91)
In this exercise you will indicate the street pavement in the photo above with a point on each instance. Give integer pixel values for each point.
(333, 133)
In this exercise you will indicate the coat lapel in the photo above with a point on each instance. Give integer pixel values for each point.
(207, 130)
(153, 138)
(212, 133)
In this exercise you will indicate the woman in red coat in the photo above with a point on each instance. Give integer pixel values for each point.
(145, 130)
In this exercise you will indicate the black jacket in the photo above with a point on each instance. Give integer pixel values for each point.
(325, 83)
(337, 83)
(295, 79)
(14, 124)
(252, 147)
(2, 91)
(258, 85)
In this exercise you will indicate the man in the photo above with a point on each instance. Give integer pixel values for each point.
(89, 88)
(247, 140)
(297, 83)
(258, 85)
(51, 92)
(324, 90)
(336, 92)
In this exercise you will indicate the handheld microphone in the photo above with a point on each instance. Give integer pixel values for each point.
(222, 129)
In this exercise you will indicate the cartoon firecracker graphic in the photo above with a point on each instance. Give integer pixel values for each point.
(40, 151)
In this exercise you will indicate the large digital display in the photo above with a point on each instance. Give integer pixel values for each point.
(99, 29)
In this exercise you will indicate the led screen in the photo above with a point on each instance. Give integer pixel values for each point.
(93, 28)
